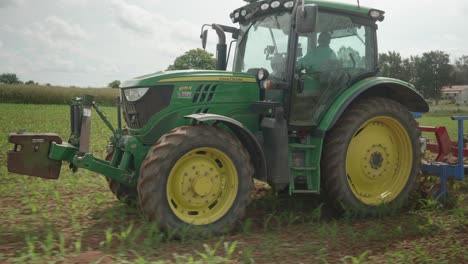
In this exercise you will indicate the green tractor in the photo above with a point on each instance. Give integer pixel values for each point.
(302, 110)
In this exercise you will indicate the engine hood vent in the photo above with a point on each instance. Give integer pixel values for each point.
(204, 93)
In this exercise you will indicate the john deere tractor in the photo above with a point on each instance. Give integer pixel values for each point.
(302, 109)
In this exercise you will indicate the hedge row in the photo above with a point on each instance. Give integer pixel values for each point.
(39, 94)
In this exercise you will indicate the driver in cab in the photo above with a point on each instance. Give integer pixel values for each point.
(316, 58)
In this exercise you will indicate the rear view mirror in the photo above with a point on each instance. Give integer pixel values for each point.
(269, 50)
(204, 37)
(306, 18)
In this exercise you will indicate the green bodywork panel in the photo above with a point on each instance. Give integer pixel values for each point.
(189, 76)
(64, 151)
(234, 95)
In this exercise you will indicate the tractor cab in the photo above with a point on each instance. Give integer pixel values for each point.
(310, 67)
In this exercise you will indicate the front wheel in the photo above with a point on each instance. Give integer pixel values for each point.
(125, 194)
(371, 157)
(198, 176)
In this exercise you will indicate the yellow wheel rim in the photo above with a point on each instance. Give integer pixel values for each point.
(202, 186)
(379, 160)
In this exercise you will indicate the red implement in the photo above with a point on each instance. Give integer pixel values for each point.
(444, 145)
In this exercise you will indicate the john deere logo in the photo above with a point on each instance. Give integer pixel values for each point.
(185, 92)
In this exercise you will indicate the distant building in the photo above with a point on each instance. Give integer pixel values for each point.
(451, 92)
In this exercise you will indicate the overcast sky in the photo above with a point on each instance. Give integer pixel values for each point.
(90, 43)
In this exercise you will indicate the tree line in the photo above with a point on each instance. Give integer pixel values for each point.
(429, 72)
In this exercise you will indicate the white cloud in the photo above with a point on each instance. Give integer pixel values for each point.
(140, 20)
(86, 42)
(52, 35)
(6, 28)
(153, 38)
(58, 29)
(80, 3)
(14, 62)
(133, 17)
(7, 3)
(58, 64)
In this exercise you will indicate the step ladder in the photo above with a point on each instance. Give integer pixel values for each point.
(308, 170)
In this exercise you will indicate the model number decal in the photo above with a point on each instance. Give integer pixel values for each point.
(185, 92)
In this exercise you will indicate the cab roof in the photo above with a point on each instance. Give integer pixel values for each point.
(340, 6)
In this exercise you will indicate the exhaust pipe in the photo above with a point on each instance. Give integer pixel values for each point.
(221, 48)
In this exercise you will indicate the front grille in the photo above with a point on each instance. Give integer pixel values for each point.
(139, 112)
(204, 93)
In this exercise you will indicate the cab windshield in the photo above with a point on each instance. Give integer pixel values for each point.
(264, 44)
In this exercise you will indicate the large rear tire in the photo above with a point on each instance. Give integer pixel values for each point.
(196, 176)
(371, 157)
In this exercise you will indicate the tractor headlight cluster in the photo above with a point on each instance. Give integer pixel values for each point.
(377, 14)
(260, 7)
(133, 94)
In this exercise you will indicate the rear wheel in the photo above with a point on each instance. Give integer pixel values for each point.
(371, 157)
(198, 176)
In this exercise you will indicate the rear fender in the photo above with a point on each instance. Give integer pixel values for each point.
(246, 137)
(393, 89)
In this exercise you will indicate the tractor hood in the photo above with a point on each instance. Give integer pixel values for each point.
(180, 93)
(170, 77)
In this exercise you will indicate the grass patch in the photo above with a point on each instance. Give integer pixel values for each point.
(446, 108)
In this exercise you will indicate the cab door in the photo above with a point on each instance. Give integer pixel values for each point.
(324, 70)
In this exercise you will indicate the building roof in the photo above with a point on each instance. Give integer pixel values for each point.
(454, 88)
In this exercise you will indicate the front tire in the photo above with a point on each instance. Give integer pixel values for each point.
(198, 176)
(371, 157)
(125, 194)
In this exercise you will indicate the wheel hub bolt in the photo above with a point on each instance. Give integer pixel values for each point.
(202, 185)
(376, 160)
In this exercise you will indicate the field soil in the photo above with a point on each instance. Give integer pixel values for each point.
(76, 219)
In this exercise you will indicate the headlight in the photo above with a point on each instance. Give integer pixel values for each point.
(288, 4)
(374, 14)
(133, 94)
(262, 74)
(377, 14)
(275, 4)
(264, 6)
(243, 12)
